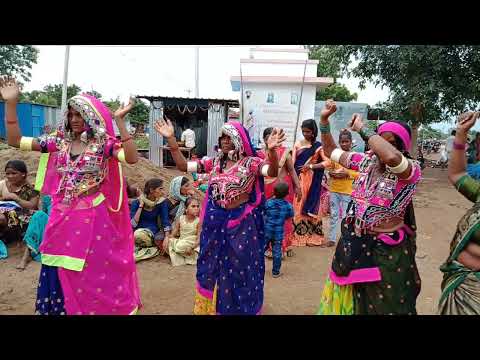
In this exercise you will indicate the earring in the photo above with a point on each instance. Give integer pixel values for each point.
(84, 137)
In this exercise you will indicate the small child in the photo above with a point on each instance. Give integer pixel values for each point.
(183, 245)
(278, 211)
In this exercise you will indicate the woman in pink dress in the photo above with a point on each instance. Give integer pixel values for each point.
(87, 252)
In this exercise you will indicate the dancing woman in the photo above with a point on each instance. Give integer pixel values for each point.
(287, 174)
(374, 269)
(461, 271)
(231, 263)
(87, 251)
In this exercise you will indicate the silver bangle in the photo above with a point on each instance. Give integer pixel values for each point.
(265, 169)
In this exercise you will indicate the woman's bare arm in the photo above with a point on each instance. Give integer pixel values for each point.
(10, 92)
(129, 146)
(385, 151)
(165, 128)
(457, 164)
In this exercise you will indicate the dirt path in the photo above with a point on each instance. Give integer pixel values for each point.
(168, 290)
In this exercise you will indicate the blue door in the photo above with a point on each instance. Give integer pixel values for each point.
(2, 121)
(38, 120)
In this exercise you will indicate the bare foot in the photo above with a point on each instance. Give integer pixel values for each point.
(24, 261)
(21, 266)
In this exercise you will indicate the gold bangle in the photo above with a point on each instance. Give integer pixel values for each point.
(121, 156)
(26, 143)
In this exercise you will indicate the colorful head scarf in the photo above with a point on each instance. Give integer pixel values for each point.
(398, 130)
(175, 187)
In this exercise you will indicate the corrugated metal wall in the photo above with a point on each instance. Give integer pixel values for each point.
(32, 118)
(156, 140)
(53, 116)
(216, 119)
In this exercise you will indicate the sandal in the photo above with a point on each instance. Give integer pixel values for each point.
(290, 253)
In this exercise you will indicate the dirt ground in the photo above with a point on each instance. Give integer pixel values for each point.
(168, 290)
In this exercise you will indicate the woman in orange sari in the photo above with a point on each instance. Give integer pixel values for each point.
(309, 163)
(286, 174)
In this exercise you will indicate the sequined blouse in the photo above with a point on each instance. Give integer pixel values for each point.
(227, 185)
(381, 199)
(81, 173)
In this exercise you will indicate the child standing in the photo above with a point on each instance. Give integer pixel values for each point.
(340, 186)
(183, 246)
(278, 210)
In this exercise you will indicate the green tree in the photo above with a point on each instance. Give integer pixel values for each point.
(55, 91)
(38, 97)
(95, 94)
(113, 105)
(330, 66)
(427, 132)
(427, 83)
(17, 60)
(50, 95)
(139, 114)
(337, 92)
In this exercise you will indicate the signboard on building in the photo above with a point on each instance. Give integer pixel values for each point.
(275, 106)
(342, 118)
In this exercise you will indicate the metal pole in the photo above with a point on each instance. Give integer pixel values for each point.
(299, 104)
(241, 90)
(65, 78)
(197, 72)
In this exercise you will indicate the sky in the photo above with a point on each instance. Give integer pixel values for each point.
(118, 71)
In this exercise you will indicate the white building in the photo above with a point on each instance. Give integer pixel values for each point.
(278, 90)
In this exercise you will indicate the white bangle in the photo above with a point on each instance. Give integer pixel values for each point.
(192, 166)
(400, 168)
(265, 169)
(336, 154)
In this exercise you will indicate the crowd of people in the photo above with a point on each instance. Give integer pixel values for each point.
(88, 227)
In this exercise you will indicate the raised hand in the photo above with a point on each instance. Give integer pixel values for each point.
(9, 88)
(164, 128)
(329, 108)
(356, 123)
(466, 121)
(276, 138)
(122, 111)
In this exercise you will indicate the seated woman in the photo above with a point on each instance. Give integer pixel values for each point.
(461, 271)
(17, 200)
(34, 234)
(145, 212)
(132, 192)
(180, 190)
(183, 246)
